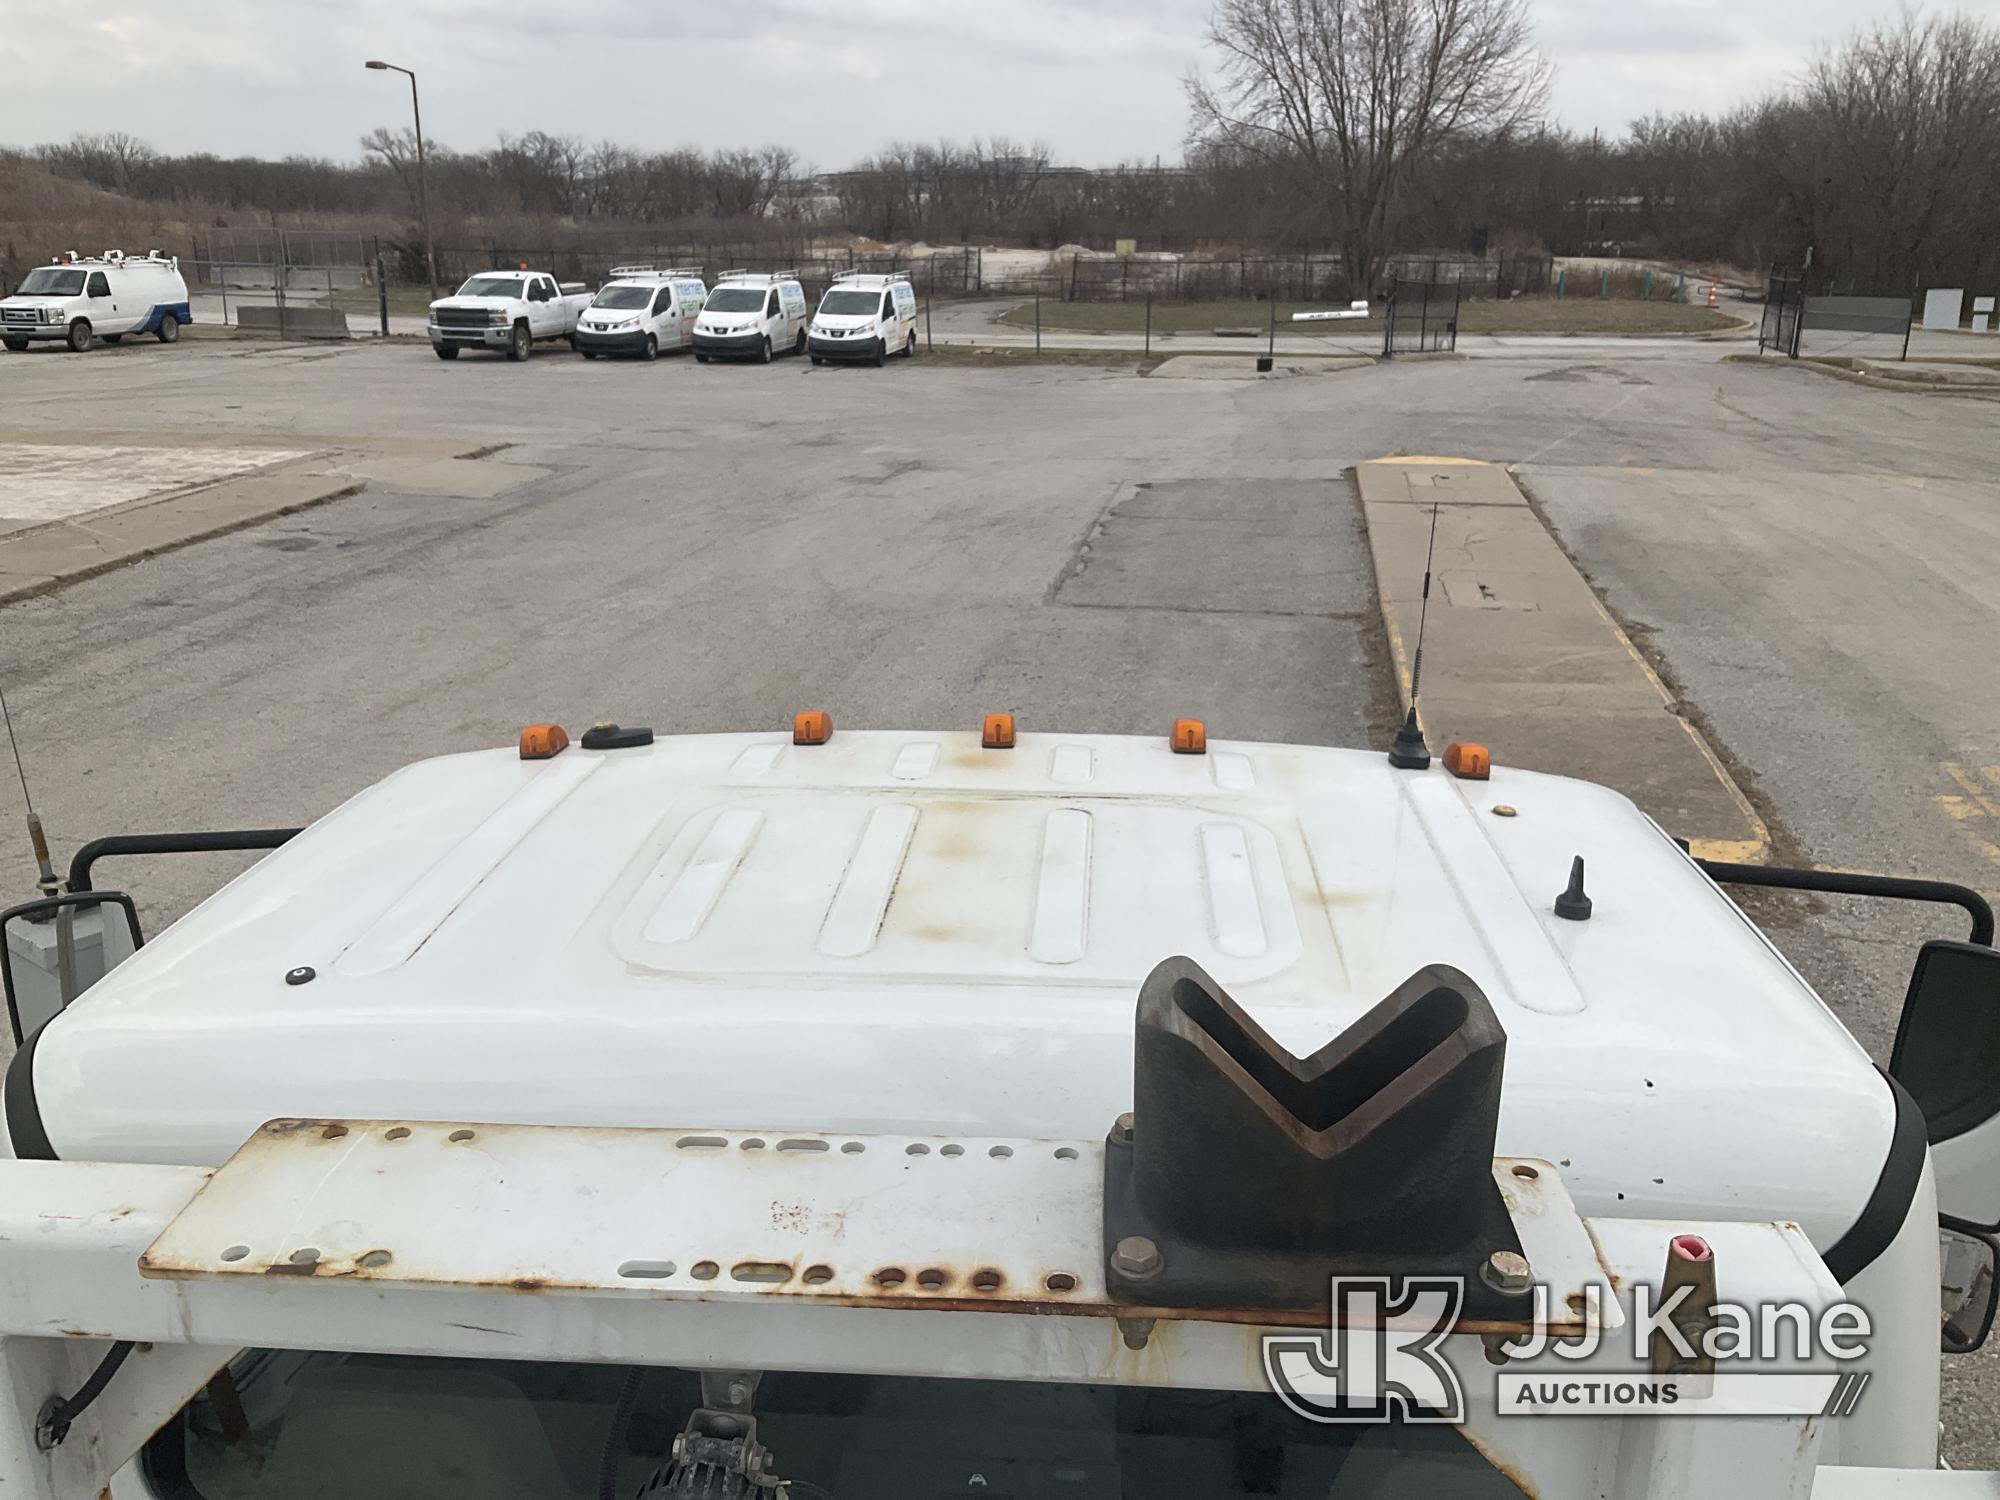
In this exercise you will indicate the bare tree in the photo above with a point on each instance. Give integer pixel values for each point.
(1354, 96)
(1887, 154)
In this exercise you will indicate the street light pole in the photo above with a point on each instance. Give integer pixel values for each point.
(423, 183)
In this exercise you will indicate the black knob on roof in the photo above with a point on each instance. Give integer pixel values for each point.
(1573, 905)
(616, 737)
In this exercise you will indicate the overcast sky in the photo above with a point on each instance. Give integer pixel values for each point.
(1099, 80)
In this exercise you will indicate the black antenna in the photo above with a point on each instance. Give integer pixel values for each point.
(46, 869)
(1409, 752)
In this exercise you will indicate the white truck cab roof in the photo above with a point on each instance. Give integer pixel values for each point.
(909, 932)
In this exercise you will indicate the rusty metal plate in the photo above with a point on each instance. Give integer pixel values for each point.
(1006, 1225)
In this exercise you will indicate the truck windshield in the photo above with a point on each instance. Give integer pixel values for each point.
(624, 296)
(737, 299)
(491, 286)
(52, 281)
(850, 303)
(291, 1426)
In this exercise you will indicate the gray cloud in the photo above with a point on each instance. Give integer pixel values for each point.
(1098, 79)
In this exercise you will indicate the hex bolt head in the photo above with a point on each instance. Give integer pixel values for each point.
(1135, 1258)
(1123, 1129)
(1508, 1271)
(303, 974)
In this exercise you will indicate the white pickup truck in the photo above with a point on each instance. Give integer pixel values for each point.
(862, 1115)
(506, 310)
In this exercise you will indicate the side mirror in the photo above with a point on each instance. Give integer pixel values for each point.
(1947, 1055)
(1967, 1259)
(54, 949)
(1947, 1051)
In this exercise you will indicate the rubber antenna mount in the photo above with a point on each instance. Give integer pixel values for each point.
(1409, 752)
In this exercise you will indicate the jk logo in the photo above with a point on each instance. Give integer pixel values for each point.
(1380, 1360)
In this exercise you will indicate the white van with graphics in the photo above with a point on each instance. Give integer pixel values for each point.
(865, 317)
(753, 315)
(641, 311)
(83, 299)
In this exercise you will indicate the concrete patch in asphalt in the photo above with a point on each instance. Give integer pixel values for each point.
(73, 504)
(43, 482)
(1222, 546)
(1520, 656)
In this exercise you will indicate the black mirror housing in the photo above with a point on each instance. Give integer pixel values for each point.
(1947, 1051)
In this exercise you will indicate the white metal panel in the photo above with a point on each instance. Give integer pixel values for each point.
(1061, 923)
(975, 1223)
(541, 999)
(691, 889)
(861, 900)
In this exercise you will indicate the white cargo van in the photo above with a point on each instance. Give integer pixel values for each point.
(82, 299)
(865, 317)
(642, 310)
(753, 315)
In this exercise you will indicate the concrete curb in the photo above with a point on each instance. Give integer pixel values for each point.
(42, 559)
(1520, 655)
(54, 556)
(1876, 382)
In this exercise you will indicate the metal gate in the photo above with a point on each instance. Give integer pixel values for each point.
(1421, 317)
(1784, 301)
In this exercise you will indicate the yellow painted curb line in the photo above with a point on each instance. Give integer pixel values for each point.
(1425, 458)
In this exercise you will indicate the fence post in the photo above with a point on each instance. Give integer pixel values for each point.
(1603, 286)
(382, 289)
(928, 344)
(1149, 322)
(279, 280)
(1271, 341)
(1562, 278)
(1424, 322)
(1038, 318)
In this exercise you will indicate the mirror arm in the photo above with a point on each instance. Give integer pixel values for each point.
(230, 842)
(1844, 883)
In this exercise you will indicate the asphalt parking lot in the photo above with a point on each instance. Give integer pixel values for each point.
(1808, 564)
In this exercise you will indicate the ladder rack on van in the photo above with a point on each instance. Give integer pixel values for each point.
(882, 276)
(789, 273)
(116, 258)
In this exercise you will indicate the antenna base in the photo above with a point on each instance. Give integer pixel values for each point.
(1409, 752)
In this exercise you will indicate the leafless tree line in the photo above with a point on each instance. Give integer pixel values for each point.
(1354, 128)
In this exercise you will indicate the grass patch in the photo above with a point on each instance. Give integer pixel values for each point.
(1521, 315)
